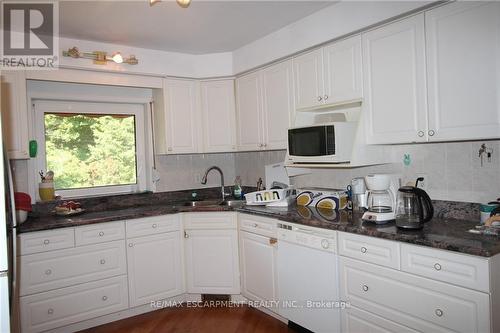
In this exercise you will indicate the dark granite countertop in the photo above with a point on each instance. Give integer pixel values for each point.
(447, 234)
(48, 222)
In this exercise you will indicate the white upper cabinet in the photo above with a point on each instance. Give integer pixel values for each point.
(278, 107)
(218, 115)
(265, 107)
(342, 62)
(463, 69)
(329, 75)
(183, 116)
(308, 79)
(249, 111)
(394, 82)
(14, 114)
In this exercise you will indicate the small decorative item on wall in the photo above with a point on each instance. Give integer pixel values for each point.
(407, 159)
(484, 150)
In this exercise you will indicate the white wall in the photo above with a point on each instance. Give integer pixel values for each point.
(151, 62)
(324, 25)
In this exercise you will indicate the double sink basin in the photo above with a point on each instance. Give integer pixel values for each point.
(205, 203)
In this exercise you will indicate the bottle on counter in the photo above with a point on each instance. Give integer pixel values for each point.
(237, 191)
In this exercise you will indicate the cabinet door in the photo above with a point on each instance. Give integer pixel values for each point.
(308, 79)
(355, 320)
(342, 62)
(463, 59)
(218, 111)
(394, 82)
(212, 261)
(155, 267)
(278, 107)
(14, 113)
(249, 112)
(258, 267)
(182, 116)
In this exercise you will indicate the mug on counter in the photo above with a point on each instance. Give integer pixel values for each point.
(46, 191)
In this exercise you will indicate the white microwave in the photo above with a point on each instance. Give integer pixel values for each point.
(325, 143)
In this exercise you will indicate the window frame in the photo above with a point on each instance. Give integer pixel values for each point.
(42, 106)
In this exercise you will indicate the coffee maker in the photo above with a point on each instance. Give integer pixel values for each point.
(381, 201)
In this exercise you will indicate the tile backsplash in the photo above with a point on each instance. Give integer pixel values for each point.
(453, 170)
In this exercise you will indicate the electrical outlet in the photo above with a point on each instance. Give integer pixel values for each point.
(423, 184)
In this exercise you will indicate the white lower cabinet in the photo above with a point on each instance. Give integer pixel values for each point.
(355, 320)
(212, 261)
(419, 303)
(155, 269)
(60, 307)
(211, 253)
(258, 268)
(57, 269)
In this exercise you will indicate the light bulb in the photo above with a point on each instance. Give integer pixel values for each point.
(184, 3)
(117, 57)
(152, 2)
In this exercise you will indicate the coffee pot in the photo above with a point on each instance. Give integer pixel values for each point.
(413, 208)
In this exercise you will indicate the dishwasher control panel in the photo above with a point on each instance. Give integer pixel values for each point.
(316, 239)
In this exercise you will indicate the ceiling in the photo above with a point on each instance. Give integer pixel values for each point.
(204, 27)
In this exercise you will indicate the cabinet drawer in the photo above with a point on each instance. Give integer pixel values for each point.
(355, 320)
(210, 220)
(258, 225)
(459, 269)
(416, 302)
(370, 249)
(57, 269)
(66, 306)
(42, 241)
(99, 233)
(153, 225)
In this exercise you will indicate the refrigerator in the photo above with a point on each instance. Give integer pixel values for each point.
(8, 290)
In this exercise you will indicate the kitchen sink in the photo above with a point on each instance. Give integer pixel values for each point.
(204, 203)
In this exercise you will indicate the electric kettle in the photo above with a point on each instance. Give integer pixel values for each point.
(413, 208)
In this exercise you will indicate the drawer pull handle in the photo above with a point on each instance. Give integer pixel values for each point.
(101, 234)
(186, 235)
(48, 272)
(50, 311)
(154, 226)
(130, 244)
(272, 241)
(365, 287)
(439, 312)
(46, 242)
(437, 267)
(102, 262)
(104, 298)
(363, 249)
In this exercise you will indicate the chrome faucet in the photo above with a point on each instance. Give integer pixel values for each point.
(204, 180)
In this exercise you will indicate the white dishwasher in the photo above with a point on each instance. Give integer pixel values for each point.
(307, 277)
